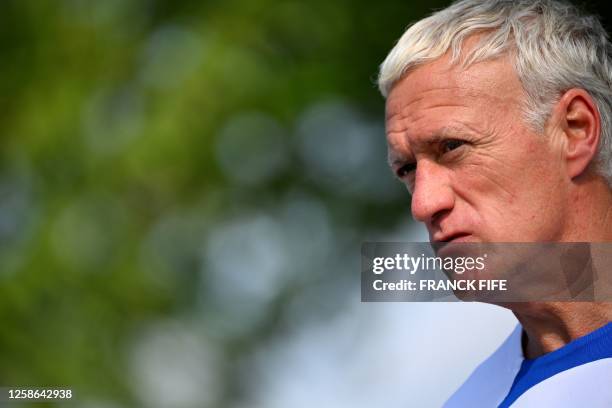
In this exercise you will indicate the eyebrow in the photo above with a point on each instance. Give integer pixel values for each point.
(447, 132)
(396, 159)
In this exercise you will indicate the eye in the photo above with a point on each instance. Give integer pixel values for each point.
(405, 170)
(452, 144)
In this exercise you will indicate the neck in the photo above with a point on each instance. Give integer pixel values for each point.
(591, 220)
(550, 326)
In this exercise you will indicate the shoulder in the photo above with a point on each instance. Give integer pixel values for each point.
(583, 385)
(488, 385)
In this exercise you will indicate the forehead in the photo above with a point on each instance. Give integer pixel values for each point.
(441, 95)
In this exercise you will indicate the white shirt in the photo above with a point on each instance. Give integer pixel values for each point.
(583, 384)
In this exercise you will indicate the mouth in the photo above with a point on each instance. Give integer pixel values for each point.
(441, 242)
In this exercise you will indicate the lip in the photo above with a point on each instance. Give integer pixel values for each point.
(454, 237)
(438, 243)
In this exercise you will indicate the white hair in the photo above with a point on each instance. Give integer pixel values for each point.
(554, 46)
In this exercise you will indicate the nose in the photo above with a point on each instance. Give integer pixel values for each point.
(432, 194)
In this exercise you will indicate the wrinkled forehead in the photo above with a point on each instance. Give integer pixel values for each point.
(440, 81)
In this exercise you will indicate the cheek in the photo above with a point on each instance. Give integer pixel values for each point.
(512, 170)
(518, 196)
(485, 180)
(484, 199)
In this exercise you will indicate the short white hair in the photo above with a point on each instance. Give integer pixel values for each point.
(554, 46)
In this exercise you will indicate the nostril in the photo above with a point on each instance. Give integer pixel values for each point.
(436, 218)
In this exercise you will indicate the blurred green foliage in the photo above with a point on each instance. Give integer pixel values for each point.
(134, 131)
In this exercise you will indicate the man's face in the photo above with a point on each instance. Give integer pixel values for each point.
(476, 171)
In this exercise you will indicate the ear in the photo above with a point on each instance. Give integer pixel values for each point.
(580, 124)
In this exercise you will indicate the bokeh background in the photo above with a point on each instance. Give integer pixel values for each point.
(185, 187)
